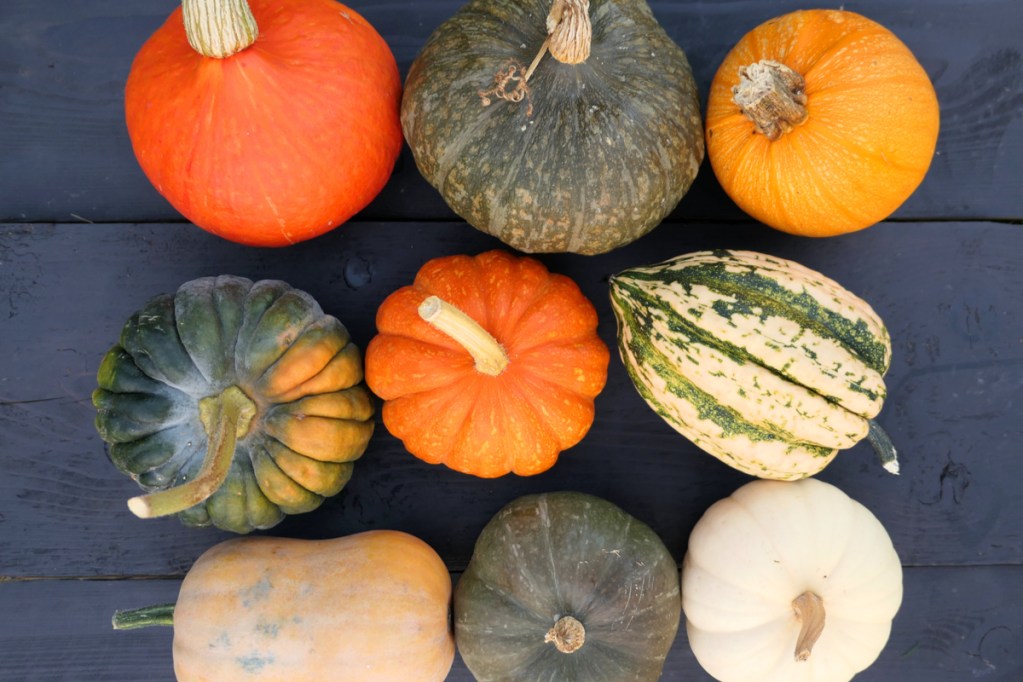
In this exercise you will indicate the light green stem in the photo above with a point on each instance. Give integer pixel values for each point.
(219, 28)
(130, 619)
(487, 354)
(884, 447)
(226, 418)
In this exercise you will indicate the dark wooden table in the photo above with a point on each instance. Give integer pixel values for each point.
(85, 241)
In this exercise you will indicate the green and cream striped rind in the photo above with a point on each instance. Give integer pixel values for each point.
(762, 362)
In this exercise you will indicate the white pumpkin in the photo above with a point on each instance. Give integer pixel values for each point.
(765, 564)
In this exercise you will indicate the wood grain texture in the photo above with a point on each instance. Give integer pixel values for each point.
(945, 275)
(949, 293)
(963, 624)
(67, 156)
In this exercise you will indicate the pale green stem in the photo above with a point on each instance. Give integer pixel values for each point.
(486, 352)
(219, 28)
(131, 619)
(226, 418)
(884, 447)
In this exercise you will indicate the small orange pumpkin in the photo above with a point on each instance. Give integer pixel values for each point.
(821, 122)
(488, 364)
(265, 122)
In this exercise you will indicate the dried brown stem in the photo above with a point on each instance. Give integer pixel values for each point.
(772, 96)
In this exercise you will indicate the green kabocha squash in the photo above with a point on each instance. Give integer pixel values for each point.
(233, 403)
(764, 363)
(566, 586)
(581, 151)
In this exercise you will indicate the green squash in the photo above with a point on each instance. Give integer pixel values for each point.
(767, 365)
(233, 403)
(566, 586)
(586, 153)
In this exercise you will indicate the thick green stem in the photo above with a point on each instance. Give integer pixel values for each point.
(219, 28)
(884, 447)
(130, 619)
(226, 418)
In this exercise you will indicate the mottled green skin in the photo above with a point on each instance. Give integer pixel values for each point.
(567, 554)
(594, 158)
(178, 349)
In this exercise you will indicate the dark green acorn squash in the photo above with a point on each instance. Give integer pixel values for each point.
(233, 403)
(585, 153)
(566, 586)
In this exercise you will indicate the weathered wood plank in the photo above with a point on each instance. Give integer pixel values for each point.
(950, 292)
(67, 156)
(954, 624)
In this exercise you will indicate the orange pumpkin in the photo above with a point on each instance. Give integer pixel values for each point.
(266, 127)
(821, 122)
(501, 378)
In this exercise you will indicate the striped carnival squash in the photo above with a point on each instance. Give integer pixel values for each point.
(767, 365)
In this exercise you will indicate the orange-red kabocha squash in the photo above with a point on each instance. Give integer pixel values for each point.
(487, 364)
(821, 122)
(266, 122)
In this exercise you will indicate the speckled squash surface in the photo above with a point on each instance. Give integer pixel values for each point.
(567, 586)
(262, 356)
(591, 156)
(371, 607)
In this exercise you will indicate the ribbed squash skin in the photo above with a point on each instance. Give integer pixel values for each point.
(273, 342)
(753, 553)
(763, 363)
(596, 156)
(544, 557)
(445, 411)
